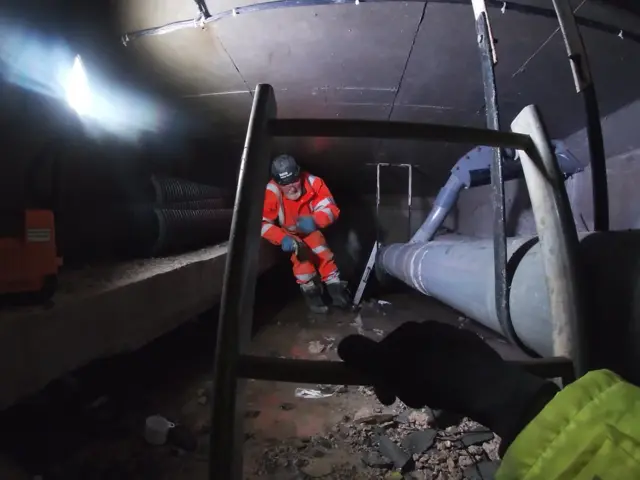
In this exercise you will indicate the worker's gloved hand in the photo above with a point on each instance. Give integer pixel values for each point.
(288, 244)
(306, 225)
(448, 368)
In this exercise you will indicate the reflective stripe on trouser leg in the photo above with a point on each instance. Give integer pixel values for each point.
(304, 272)
(326, 265)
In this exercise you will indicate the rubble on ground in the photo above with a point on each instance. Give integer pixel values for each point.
(316, 347)
(381, 443)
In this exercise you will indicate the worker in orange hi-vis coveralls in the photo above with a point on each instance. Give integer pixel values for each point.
(296, 206)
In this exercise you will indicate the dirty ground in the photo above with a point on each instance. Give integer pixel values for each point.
(321, 431)
(291, 431)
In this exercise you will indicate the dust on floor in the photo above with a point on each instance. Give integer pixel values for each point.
(319, 431)
(294, 431)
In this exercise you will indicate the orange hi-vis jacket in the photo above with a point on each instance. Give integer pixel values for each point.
(316, 200)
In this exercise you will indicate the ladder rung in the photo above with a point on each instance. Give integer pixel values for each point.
(337, 373)
(405, 130)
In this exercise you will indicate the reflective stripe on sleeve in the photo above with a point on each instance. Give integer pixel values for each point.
(328, 212)
(312, 179)
(265, 228)
(323, 203)
(276, 191)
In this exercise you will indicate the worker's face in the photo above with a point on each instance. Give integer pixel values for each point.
(293, 191)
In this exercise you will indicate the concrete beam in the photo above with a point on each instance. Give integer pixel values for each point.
(107, 310)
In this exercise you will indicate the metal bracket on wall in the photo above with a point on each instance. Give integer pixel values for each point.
(357, 298)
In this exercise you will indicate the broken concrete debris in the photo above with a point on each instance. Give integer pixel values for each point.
(484, 470)
(316, 347)
(370, 416)
(419, 442)
(318, 468)
(376, 460)
(358, 324)
(476, 437)
(420, 419)
(397, 455)
(368, 391)
(377, 450)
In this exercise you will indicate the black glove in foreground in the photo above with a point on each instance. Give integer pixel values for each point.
(447, 368)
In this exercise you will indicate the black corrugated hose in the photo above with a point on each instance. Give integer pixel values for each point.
(170, 190)
(179, 230)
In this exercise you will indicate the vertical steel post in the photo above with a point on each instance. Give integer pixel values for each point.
(238, 291)
(377, 204)
(410, 199)
(488, 59)
(581, 70)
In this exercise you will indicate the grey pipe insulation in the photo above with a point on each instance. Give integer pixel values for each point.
(458, 271)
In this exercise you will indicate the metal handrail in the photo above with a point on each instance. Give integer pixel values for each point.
(304, 127)
(558, 238)
(242, 259)
(337, 373)
(238, 290)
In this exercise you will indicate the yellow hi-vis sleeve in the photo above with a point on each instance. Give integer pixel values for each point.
(589, 431)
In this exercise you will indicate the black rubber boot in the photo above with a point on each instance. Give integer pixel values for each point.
(313, 296)
(338, 294)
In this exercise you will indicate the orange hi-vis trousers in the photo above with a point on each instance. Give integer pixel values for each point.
(318, 258)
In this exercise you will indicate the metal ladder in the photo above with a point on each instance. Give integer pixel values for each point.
(557, 237)
(242, 259)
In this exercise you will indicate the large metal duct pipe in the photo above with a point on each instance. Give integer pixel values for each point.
(459, 272)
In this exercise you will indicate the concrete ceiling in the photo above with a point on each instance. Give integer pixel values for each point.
(385, 60)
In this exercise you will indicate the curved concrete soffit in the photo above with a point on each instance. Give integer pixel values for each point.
(205, 17)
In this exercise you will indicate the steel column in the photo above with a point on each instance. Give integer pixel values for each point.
(579, 61)
(238, 291)
(487, 60)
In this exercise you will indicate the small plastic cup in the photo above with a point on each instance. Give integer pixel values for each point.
(156, 430)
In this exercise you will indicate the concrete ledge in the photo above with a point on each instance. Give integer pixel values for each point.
(103, 311)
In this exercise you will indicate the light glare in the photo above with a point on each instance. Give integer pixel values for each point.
(77, 88)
